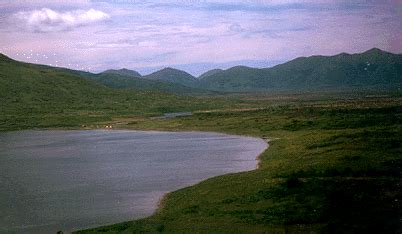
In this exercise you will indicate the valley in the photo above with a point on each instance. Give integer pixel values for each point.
(333, 125)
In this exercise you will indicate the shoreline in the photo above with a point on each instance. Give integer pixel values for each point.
(162, 199)
(161, 203)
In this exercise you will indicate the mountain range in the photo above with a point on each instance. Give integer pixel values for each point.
(36, 94)
(371, 69)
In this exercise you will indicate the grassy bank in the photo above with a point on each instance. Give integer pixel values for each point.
(332, 166)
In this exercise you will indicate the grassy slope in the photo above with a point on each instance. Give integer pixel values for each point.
(123, 72)
(333, 166)
(373, 68)
(174, 76)
(33, 96)
(122, 81)
(336, 165)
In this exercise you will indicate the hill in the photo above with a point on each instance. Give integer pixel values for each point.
(124, 72)
(209, 73)
(373, 68)
(121, 81)
(174, 76)
(37, 96)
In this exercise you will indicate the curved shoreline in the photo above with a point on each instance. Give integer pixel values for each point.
(253, 163)
(163, 199)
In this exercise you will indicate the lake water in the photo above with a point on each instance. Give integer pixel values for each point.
(69, 180)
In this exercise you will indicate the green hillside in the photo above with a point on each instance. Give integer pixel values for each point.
(373, 68)
(209, 73)
(121, 81)
(174, 76)
(235, 79)
(332, 166)
(42, 96)
(36, 96)
(124, 72)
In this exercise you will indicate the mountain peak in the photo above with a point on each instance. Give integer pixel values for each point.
(374, 51)
(343, 54)
(373, 68)
(173, 75)
(124, 72)
(123, 69)
(239, 67)
(170, 69)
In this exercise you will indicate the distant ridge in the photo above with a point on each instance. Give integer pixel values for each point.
(372, 69)
(124, 72)
(23, 81)
(119, 81)
(210, 73)
(174, 76)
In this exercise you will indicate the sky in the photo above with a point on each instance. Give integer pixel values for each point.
(194, 35)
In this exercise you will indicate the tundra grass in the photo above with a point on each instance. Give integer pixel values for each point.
(332, 166)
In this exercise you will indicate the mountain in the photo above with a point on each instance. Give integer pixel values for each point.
(373, 68)
(23, 82)
(123, 72)
(174, 76)
(119, 81)
(210, 73)
(33, 96)
(239, 78)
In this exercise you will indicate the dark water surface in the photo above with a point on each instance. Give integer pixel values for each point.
(69, 180)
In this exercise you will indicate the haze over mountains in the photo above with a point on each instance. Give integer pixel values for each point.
(127, 79)
(372, 69)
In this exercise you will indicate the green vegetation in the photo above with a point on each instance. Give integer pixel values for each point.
(121, 81)
(334, 161)
(210, 73)
(174, 76)
(332, 166)
(123, 72)
(372, 69)
(33, 96)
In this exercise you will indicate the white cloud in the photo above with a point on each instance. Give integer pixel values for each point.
(35, 4)
(141, 35)
(47, 20)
